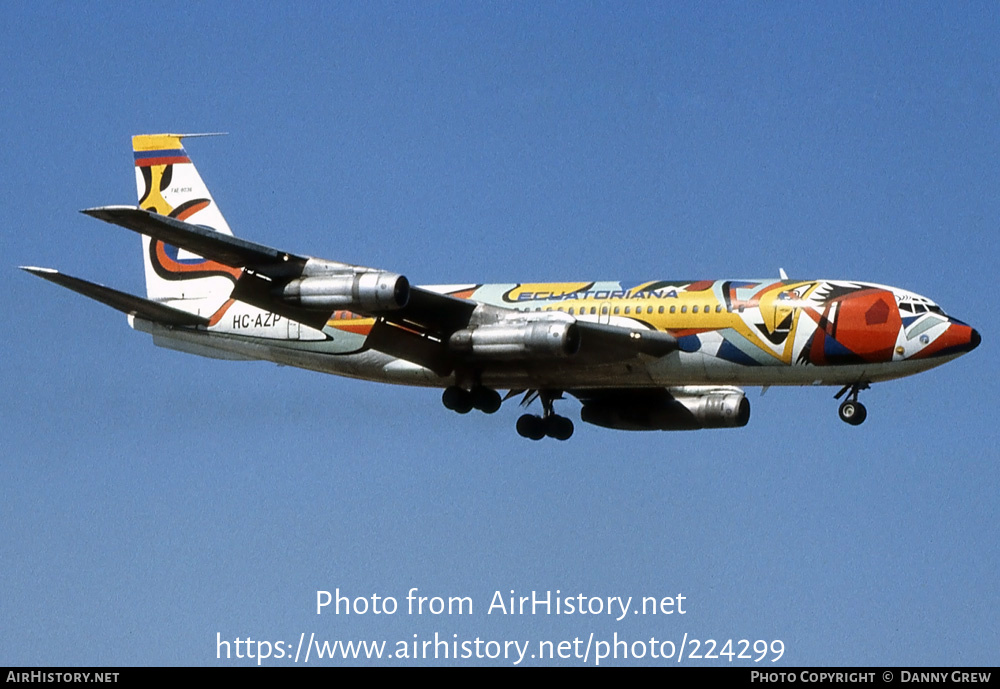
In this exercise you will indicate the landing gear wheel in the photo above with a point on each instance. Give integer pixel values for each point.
(530, 426)
(486, 400)
(558, 427)
(853, 412)
(549, 423)
(457, 399)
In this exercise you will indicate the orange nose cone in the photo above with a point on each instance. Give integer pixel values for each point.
(957, 339)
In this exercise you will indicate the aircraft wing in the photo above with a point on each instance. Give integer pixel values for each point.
(122, 301)
(215, 246)
(267, 270)
(416, 328)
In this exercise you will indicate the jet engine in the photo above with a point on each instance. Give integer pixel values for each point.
(368, 292)
(680, 412)
(518, 341)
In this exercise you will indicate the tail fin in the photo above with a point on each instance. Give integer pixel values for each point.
(169, 184)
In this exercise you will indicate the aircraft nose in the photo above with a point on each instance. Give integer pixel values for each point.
(959, 338)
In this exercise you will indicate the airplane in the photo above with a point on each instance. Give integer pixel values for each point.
(653, 355)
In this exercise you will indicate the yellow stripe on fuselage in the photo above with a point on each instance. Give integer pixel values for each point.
(711, 314)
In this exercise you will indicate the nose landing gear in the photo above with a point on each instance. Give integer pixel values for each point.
(851, 411)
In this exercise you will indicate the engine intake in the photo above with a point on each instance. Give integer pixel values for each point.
(369, 292)
(507, 341)
(683, 412)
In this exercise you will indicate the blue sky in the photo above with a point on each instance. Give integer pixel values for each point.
(151, 499)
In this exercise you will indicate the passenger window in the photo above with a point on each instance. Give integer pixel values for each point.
(627, 309)
(593, 310)
(661, 309)
(718, 308)
(684, 309)
(694, 309)
(604, 310)
(673, 309)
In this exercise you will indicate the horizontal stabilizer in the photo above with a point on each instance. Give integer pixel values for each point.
(207, 243)
(124, 302)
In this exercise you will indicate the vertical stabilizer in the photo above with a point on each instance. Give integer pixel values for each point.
(169, 184)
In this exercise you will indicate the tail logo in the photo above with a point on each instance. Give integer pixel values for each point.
(157, 171)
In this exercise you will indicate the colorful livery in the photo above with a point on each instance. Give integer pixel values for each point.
(654, 355)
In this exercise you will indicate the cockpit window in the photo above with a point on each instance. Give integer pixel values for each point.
(916, 306)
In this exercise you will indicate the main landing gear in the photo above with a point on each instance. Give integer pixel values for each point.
(548, 424)
(463, 401)
(851, 411)
(488, 401)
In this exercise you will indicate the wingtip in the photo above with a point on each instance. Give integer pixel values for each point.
(37, 270)
(103, 212)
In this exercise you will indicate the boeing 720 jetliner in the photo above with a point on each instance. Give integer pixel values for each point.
(655, 355)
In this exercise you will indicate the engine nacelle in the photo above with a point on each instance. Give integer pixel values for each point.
(507, 341)
(369, 292)
(682, 413)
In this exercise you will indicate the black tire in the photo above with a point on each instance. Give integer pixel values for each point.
(530, 426)
(486, 400)
(457, 399)
(558, 427)
(853, 413)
